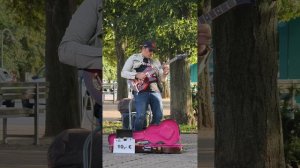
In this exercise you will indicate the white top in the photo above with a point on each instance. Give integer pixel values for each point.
(135, 61)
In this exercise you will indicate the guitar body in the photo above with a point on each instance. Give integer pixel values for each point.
(150, 76)
(162, 138)
(140, 85)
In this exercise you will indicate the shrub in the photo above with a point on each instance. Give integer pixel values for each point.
(291, 134)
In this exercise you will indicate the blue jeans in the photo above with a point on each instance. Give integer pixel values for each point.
(142, 100)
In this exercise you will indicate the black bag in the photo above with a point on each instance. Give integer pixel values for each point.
(125, 120)
(123, 105)
(66, 150)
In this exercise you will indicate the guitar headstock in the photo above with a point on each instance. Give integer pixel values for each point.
(178, 57)
(240, 2)
(181, 56)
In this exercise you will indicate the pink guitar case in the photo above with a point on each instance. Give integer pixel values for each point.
(162, 138)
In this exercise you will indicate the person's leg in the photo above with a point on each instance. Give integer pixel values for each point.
(141, 104)
(156, 107)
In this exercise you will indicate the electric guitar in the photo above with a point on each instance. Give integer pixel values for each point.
(138, 85)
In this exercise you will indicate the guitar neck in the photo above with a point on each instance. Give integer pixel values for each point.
(217, 11)
(172, 60)
(180, 56)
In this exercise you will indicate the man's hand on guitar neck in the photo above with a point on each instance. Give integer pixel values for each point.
(204, 38)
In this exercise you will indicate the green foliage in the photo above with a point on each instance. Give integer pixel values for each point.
(188, 129)
(177, 36)
(171, 24)
(288, 9)
(109, 61)
(111, 127)
(27, 12)
(195, 99)
(291, 133)
(26, 20)
(23, 45)
(293, 150)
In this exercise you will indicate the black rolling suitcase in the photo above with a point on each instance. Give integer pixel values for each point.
(127, 109)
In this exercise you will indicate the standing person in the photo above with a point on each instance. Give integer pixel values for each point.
(134, 69)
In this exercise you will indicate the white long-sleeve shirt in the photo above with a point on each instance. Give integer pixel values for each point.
(81, 45)
(134, 61)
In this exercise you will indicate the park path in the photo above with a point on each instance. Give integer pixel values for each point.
(21, 153)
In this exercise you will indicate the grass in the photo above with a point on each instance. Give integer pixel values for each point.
(187, 129)
(111, 127)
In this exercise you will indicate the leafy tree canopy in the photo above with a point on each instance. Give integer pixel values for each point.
(288, 9)
(171, 24)
(23, 46)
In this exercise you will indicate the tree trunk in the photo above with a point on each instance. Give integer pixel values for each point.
(166, 86)
(204, 109)
(204, 99)
(248, 126)
(62, 103)
(180, 84)
(22, 74)
(181, 98)
(166, 90)
(120, 55)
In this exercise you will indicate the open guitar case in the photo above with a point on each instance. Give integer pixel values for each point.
(162, 138)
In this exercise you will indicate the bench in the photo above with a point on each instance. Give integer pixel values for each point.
(33, 91)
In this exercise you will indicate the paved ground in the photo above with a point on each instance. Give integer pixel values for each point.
(206, 148)
(187, 159)
(21, 153)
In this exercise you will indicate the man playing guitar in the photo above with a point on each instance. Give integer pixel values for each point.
(136, 68)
